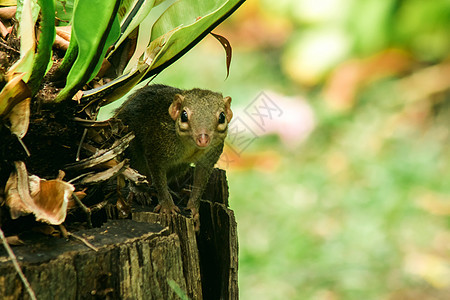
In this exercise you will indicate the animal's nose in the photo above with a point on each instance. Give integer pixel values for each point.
(203, 140)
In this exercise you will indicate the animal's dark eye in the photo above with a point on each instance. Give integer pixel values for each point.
(184, 116)
(221, 118)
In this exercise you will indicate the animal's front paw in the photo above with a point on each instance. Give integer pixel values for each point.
(140, 193)
(170, 209)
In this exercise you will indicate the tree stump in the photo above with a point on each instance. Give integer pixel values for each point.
(149, 257)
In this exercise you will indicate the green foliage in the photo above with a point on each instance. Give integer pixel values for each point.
(64, 11)
(89, 41)
(44, 48)
(180, 26)
(98, 25)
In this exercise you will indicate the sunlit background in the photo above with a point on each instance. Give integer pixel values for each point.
(338, 156)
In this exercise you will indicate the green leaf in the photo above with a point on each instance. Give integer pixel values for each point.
(34, 9)
(135, 13)
(112, 37)
(44, 48)
(27, 42)
(143, 39)
(95, 26)
(69, 58)
(191, 20)
(178, 29)
(64, 11)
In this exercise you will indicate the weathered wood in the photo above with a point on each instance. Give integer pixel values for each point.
(217, 188)
(184, 228)
(218, 250)
(213, 252)
(137, 259)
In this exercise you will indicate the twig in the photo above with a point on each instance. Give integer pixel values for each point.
(67, 234)
(9, 47)
(77, 158)
(17, 266)
(85, 209)
(84, 241)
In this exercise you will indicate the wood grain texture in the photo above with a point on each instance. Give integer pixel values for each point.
(137, 259)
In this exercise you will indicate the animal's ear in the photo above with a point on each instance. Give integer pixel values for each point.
(175, 107)
(228, 110)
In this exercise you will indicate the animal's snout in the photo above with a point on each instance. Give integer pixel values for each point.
(203, 140)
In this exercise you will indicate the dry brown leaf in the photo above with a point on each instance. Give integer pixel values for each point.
(61, 43)
(80, 194)
(77, 97)
(64, 32)
(20, 118)
(15, 202)
(227, 47)
(53, 199)
(8, 12)
(12, 93)
(14, 240)
(46, 199)
(47, 230)
(3, 30)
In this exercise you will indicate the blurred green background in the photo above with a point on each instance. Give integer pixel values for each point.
(338, 157)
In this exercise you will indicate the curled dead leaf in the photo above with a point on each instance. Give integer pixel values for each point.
(12, 93)
(80, 195)
(14, 240)
(64, 32)
(46, 199)
(134, 176)
(18, 192)
(53, 199)
(20, 118)
(227, 47)
(61, 43)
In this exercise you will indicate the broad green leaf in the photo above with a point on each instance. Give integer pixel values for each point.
(178, 29)
(192, 21)
(35, 8)
(134, 13)
(143, 40)
(93, 29)
(27, 42)
(69, 58)
(117, 88)
(112, 37)
(64, 11)
(44, 48)
(144, 34)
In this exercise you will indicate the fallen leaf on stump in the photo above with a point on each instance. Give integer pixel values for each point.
(46, 199)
